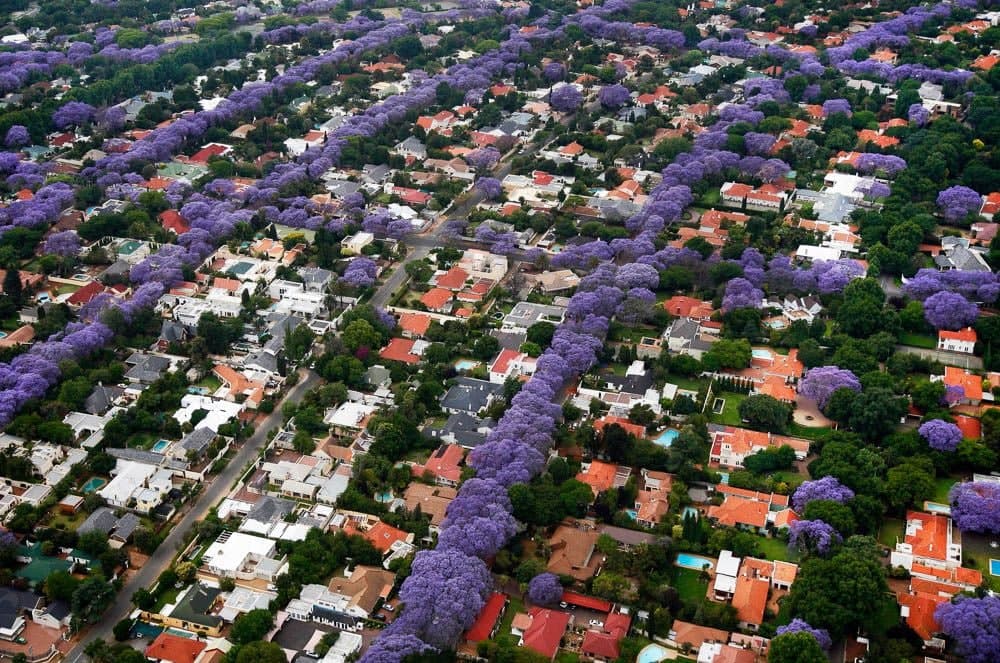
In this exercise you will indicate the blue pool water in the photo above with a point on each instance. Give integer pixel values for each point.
(690, 510)
(465, 365)
(667, 437)
(761, 353)
(160, 446)
(995, 567)
(384, 497)
(198, 391)
(652, 654)
(696, 562)
(3, 334)
(93, 484)
(632, 513)
(144, 630)
(725, 477)
(937, 507)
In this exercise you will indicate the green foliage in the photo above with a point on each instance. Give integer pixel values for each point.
(763, 412)
(797, 647)
(251, 626)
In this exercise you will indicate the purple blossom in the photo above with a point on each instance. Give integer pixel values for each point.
(919, 115)
(490, 186)
(819, 383)
(975, 506)
(948, 310)
(801, 626)
(827, 488)
(941, 435)
(834, 106)
(614, 96)
(554, 71)
(361, 272)
(73, 114)
(17, 136)
(63, 244)
(545, 589)
(973, 624)
(957, 202)
(566, 98)
(887, 164)
(483, 159)
(813, 535)
(758, 143)
(394, 647)
(741, 293)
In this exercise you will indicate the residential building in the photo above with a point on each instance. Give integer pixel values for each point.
(485, 626)
(731, 445)
(542, 630)
(510, 363)
(963, 340)
(574, 552)
(470, 395)
(751, 510)
(242, 557)
(444, 465)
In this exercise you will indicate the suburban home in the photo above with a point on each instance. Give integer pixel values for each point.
(469, 396)
(488, 620)
(574, 552)
(602, 643)
(751, 510)
(510, 363)
(963, 340)
(731, 445)
(541, 630)
(444, 465)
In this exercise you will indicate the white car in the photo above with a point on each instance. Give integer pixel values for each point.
(563, 604)
(596, 624)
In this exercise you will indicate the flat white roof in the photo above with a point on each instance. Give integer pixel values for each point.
(129, 475)
(728, 564)
(219, 411)
(349, 415)
(230, 554)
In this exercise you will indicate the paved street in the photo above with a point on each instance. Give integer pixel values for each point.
(218, 487)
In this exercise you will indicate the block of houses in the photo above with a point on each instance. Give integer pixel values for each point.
(444, 465)
(751, 510)
(469, 396)
(602, 643)
(963, 340)
(511, 363)
(731, 445)
(541, 630)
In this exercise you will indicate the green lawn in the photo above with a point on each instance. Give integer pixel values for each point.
(731, 410)
(892, 528)
(917, 340)
(515, 606)
(691, 384)
(808, 432)
(567, 657)
(791, 477)
(774, 549)
(167, 597)
(65, 289)
(711, 197)
(942, 485)
(210, 382)
(689, 584)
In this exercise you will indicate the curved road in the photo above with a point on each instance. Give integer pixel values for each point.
(215, 490)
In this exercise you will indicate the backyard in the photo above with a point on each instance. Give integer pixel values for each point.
(890, 532)
(730, 415)
(689, 584)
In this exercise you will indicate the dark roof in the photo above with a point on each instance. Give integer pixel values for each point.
(195, 605)
(198, 439)
(126, 526)
(13, 603)
(295, 635)
(320, 612)
(509, 340)
(470, 395)
(270, 509)
(465, 428)
(101, 520)
(171, 331)
(630, 384)
(58, 609)
(100, 399)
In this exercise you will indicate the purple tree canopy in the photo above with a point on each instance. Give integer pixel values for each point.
(949, 310)
(614, 96)
(827, 488)
(758, 143)
(483, 159)
(63, 244)
(490, 186)
(554, 71)
(801, 626)
(833, 106)
(545, 589)
(820, 383)
(566, 99)
(361, 272)
(941, 435)
(741, 293)
(975, 506)
(957, 202)
(974, 625)
(813, 535)
(17, 136)
(917, 114)
(73, 114)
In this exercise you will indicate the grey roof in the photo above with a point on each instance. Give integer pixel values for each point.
(412, 145)
(13, 603)
(198, 439)
(117, 268)
(101, 398)
(315, 276)
(376, 173)
(470, 395)
(148, 457)
(341, 188)
(322, 613)
(270, 509)
(509, 340)
(171, 331)
(963, 259)
(466, 429)
(261, 359)
(126, 526)
(102, 520)
(525, 314)
(376, 375)
(630, 384)
(58, 609)
(146, 368)
(295, 635)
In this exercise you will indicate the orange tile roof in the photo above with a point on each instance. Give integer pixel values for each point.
(415, 323)
(382, 536)
(928, 534)
(695, 635)
(173, 648)
(968, 334)
(628, 426)
(436, 298)
(971, 427)
(600, 476)
(959, 377)
(750, 599)
(400, 349)
(482, 628)
(920, 617)
(688, 307)
(869, 136)
(985, 62)
(546, 631)
(735, 511)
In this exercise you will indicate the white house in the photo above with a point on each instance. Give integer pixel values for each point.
(963, 340)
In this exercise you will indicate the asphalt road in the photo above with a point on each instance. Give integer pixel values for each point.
(214, 491)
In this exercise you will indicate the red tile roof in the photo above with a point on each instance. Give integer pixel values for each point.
(85, 294)
(415, 323)
(453, 279)
(967, 334)
(400, 349)
(482, 628)
(436, 298)
(168, 647)
(546, 631)
(584, 601)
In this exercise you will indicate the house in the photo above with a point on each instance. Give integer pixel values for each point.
(526, 314)
(601, 476)
(356, 242)
(510, 363)
(411, 147)
(751, 510)
(242, 556)
(969, 385)
(488, 619)
(444, 465)
(437, 300)
(750, 601)
(102, 399)
(682, 306)
(470, 395)
(731, 445)
(928, 541)
(170, 648)
(136, 485)
(543, 630)
(694, 636)
(404, 350)
(414, 325)
(652, 501)
(691, 336)
(431, 500)
(963, 340)
(602, 643)
(574, 552)
(461, 428)
(14, 605)
(146, 368)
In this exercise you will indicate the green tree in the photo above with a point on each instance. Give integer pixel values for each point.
(251, 626)
(12, 286)
(60, 585)
(303, 442)
(763, 412)
(361, 334)
(910, 482)
(799, 647)
(837, 515)
(91, 598)
(727, 353)
(260, 652)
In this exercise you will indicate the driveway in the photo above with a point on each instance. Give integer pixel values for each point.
(213, 492)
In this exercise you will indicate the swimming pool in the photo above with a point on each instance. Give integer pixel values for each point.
(760, 353)
(937, 507)
(384, 497)
(93, 484)
(160, 446)
(696, 562)
(690, 511)
(198, 391)
(724, 477)
(667, 437)
(3, 334)
(465, 365)
(652, 654)
(632, 513)
(995, 567)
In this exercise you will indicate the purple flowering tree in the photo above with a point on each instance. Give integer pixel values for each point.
(957, 202)
(73, 114)
(975, 506)
(63, 244)
(545, 589)
(614, 97)
(813, 536)
(820, 383)
(741, 293)
(941, 435)
(554, 71)
(17, 136)
(834, 106)
(490, 186)
(949, 310)
(801, 626)
(758, 143)
(483, 159)
(974, 626)
(360, 273)
(394, 647)
(827, 488)
(919, 115)
(566, 99)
